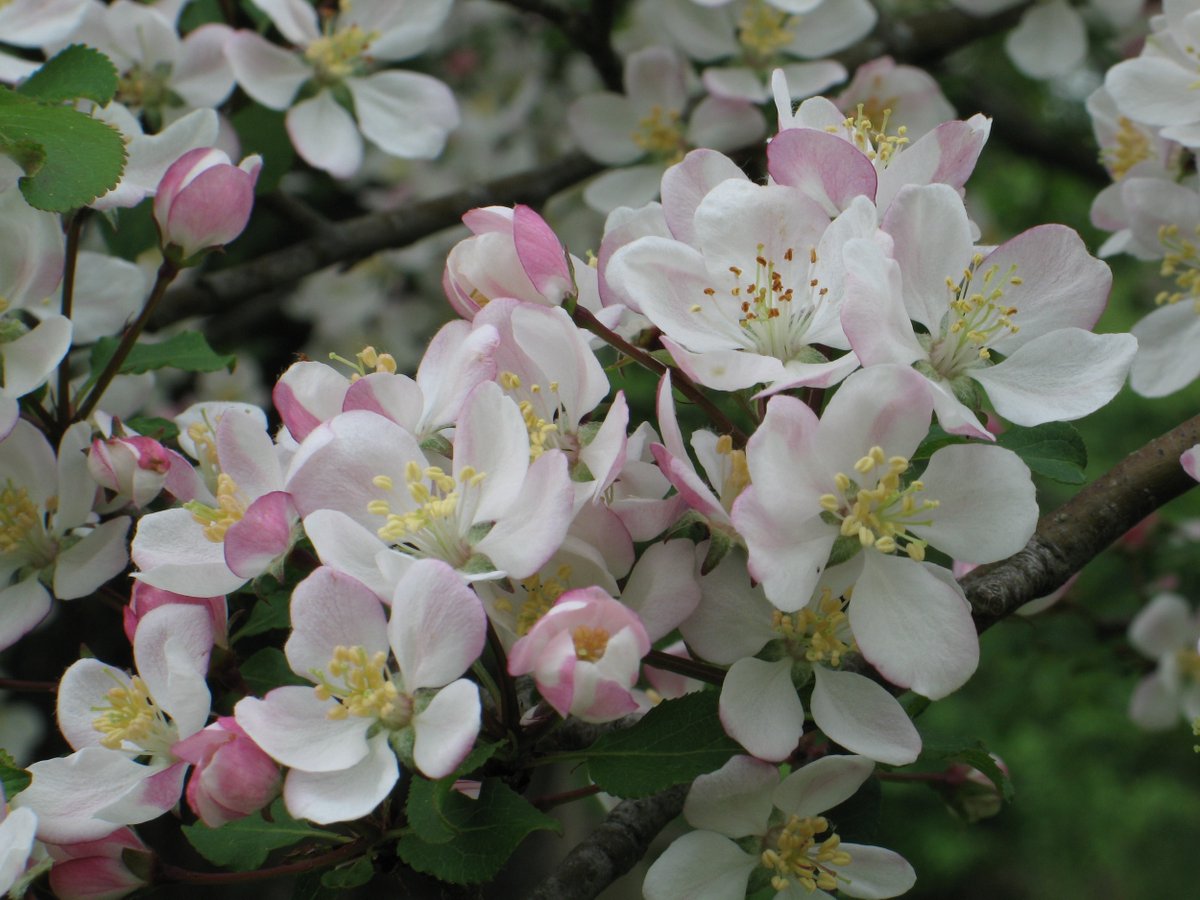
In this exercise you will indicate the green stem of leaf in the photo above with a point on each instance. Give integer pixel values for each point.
(549, 801)
(584, 319)
(170, 873)
(74, 229)
(166, 274)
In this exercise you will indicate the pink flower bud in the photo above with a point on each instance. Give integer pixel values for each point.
(134, 467)
(101, 869)
(233, 777)
(584, 654)
(204, 200)
(144, 598)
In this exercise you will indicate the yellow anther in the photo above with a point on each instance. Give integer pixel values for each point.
(130, 715)
(363, 687)
(540, 595)
(19, 517)
(660, 134)
(797, 859)
(341, 54)
(510, 381)
(216, 520)
(383, 482)
(590, 643)
(764, 31)
(1132, 146)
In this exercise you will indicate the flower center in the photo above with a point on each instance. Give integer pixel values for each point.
(339, 54)
(541, 431)
(763, 31)
(977, 317)
(876, 143)
(660, 134)
(367, 361)
(230, 508)
(19, 518)
(540, 596)
(434, 527)
(590, 643)
(1131, 146)
(147, 89)
(818, 634)
(363, 686)
(880, 516)
(1182, 262)
(132, 716)
(1188, 662)
(797, 859)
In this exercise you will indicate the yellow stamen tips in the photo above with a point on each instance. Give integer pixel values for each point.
(820, 635)
(18, 517)
(205, 443)
(660, 134)
(432, 527)
(763, 31)
(1131, 146)
(540, 595)
(129, 716)
(1181, 262)
(363, 686)
(340, 54)
(737, 472)
(383, 482)
(876, 143)
(978, 317)
(539, 429)
(510, 381)
(370, 358)
(1188, 662)
(797, 859)
(590, 643)
(880, 516)
(230, 508)
(593, 260)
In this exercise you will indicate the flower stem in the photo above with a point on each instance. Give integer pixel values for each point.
(549, 801)
(170, 873)
(166, 274)
(691, 668)
(74, 229)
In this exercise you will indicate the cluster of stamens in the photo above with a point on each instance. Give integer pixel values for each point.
(590, 643)
(145, 88)
(217, 519)
(432, 527)
(977, 316)
(541, 431)
(816, 633)
(797, 858)
(367, 361)
(660, 134)
(540, 595)
(737, 474)
(339, 54)
(763, 31)
(1131, 146)
(18, 517)
(131, 716)
(880, 516)
(363, 687)
(1181, 262)
(1188, 663)
(875, 143)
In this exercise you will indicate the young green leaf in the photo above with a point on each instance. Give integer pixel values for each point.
(268, 669)
(75, 72)
(1054, 450)
(13, 778)
(243, 845)
(187, 351)
(673, 743)
(973, 754)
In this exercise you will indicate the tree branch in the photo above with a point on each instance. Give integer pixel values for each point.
(1070, 537)
(354, 239)
(613, 848)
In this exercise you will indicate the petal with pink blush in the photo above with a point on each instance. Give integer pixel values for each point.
(346, 794)
(823, 166)
(262, 535)
(446, 729)
(760, 709)
(331, 610)
(437, 627)
(293, 727)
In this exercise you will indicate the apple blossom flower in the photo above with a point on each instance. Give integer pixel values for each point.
(772, 654)
(646, 127)
(204, 200)
(405, 114)
(143, 598)
(585, 655)
(1166, 630)
(1033, 299)
(232, 777)
(18, 828)
(902, 95)
(48, 533)
(340, 739)
(751, 821)
(828, 489)
(134, 468)
(35, 24)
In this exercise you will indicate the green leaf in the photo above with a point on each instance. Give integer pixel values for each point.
(76, 72)
(80, 157)
(484, 834)
(187, 351)
(973, 754)
(243, 845)
(354, 875)
(672, 744)
(154, 427)
(268, 669)
(426, 807)
(1054, 450)
(13, 778)
(937, 438)
(269, 612)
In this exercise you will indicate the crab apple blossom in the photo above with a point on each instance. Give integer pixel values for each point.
(405, 114)
(232, 777)
(772, 654)
(839, 487)
(1033, 300)
(134, 468)
(1166, 631)
(49, 536)
(99, 869)
(204, 200)
(584, 654)
(757, 830)
(340, 739)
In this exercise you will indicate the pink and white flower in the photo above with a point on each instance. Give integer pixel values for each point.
(204, 200)
(232, 777)
(1166, 631)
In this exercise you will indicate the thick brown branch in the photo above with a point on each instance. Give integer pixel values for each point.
(1074, 534)
(613, 848)
(358, 238)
